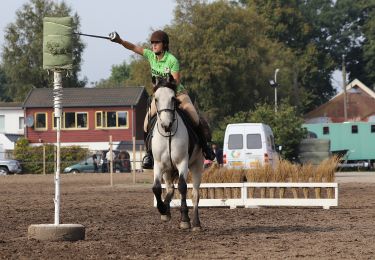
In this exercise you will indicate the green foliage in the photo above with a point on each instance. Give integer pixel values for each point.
(298, 25)
(22, 56)
(31, 157)
(219, 131)
(137, 73)
(225, 55)
(286, 125)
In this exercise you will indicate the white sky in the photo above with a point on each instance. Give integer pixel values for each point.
(134, 20)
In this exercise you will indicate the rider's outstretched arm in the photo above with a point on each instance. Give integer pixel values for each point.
(128, 45)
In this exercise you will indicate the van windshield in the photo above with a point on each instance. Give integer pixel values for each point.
(253, 141)
(235, 141)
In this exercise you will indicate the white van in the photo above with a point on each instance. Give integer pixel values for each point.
(248, 144)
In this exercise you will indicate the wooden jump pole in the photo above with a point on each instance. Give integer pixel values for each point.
(133, 169)
(111, 159)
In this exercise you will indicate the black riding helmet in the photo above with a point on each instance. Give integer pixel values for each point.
(161, 36)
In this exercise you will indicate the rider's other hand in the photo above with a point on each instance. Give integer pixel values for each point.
(114, 37)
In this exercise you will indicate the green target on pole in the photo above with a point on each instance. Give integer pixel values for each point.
(57, 43)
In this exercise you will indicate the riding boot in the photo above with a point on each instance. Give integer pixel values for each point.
(207, 151)
(148, 159)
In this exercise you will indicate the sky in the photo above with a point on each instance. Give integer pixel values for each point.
(134, 20)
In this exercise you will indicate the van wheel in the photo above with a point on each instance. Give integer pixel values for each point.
(74, 171)
(4, 171)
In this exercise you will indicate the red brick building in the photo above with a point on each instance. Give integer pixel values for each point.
(90, 116)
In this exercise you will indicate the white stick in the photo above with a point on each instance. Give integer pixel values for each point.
(57, 89)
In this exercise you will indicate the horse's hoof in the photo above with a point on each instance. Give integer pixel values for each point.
(197, 229)
(185, 225)
(165, 218)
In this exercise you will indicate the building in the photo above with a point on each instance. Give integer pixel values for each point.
(360, 106)
(11, 126)
(90, 116)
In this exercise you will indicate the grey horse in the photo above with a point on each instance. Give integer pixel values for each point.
(170, 144)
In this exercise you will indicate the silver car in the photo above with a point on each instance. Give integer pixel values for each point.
(9, 166)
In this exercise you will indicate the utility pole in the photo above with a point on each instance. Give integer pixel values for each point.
(276, 71)
(344, 88)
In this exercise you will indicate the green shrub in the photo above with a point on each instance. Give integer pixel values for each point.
(31, 157)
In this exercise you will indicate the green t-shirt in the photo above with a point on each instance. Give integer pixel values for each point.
(162, 68)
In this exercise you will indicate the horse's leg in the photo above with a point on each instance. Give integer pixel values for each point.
(196, 170)
(182, 188)
(168, 197)
(156, 188)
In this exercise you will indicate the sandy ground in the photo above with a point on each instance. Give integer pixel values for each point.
(122, 223)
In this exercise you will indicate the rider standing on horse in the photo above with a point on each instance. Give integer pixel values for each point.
(163, 64)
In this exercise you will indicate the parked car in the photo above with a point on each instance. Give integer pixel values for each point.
(9, 166)
(121, 163)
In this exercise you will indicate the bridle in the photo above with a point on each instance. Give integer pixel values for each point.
(168, 110)
(167, 84)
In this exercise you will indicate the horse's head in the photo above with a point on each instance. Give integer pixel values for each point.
(166, 102)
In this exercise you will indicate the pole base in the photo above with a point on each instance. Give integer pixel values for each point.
(60, 232)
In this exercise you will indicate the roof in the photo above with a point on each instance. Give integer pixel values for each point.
(13, 137)
(10, 105)
(360, 105)
(86, 97)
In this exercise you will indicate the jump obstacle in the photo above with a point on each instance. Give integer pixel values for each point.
(245, 200)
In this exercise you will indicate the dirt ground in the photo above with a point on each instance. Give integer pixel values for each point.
(122, 223)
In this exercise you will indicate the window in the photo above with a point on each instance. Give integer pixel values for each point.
(253, 141)
(2, 123)
(111, 119)
(354, 129)
(326, 130)
(372, 128)
(21, 122)
(98, 119)
(40, 121)
(75, 120)
(235, 141)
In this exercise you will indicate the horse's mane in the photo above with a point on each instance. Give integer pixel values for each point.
(164, 82)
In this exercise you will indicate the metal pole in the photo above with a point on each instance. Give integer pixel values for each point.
(57, 94)
(276, 71)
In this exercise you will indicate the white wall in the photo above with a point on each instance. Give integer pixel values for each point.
(5, 143)
(12, 117)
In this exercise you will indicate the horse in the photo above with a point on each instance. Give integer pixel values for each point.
(170, 148)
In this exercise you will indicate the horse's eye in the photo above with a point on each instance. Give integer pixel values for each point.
(156, 100)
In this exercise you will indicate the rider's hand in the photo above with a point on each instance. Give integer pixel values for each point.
(114, 37)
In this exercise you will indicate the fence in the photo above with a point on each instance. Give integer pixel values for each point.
(243, 195)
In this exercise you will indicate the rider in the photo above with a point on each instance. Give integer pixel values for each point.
(163, 63)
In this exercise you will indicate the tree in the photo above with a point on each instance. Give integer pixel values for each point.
(286, 125)
(3, 86)
(225, 55)
(297, 25)
(137, 73)
(22, 57)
